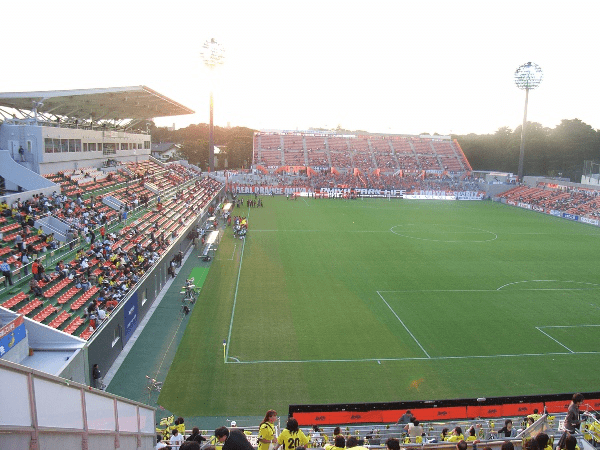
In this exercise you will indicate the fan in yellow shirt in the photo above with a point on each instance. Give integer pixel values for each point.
(456, 435)
(266, 431)
(352, 442)
(291, 437)
(339, 443)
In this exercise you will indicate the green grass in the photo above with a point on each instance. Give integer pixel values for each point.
(331, 301)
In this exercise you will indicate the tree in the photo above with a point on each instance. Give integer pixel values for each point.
(547, 151)
(573, 142)
(196, 152)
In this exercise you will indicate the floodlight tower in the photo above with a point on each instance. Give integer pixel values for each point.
(213, 54)
(527, 76)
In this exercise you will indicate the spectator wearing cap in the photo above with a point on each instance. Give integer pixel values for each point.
(5, 269)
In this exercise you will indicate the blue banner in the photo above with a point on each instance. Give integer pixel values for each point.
(131, 316)
(570, 216)
(11, 335)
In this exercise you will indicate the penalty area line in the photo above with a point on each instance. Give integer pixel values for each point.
(405, 327)
(555, 340)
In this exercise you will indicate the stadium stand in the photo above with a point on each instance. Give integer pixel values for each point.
(63, 294)
(573, 201)
(366, 153)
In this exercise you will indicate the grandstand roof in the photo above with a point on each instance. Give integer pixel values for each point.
(118, 103)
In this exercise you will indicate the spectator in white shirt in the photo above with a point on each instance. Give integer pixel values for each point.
(176, 439)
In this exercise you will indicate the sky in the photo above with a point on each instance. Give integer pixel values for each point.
(380, 66)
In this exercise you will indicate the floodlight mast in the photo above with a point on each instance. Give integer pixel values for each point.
(527, 76)
(213, 54)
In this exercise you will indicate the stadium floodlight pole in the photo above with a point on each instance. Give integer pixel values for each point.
(527, 76)
(213, 54)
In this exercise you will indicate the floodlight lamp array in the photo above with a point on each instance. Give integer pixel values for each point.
(528, 76)
(213, 53)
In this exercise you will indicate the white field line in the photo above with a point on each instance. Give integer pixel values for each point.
(405, 327)
(555, 340)
(237, 284)
(550, 281)
(414, 358)
(428, 357)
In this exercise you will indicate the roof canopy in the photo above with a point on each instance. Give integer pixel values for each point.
(120, 103)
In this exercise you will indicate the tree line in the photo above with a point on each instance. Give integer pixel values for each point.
(234, 143)
(558, 151)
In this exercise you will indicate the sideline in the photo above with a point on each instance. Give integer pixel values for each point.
(237, 284)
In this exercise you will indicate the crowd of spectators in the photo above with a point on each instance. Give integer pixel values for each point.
(407, 431)
(412, 182)
(107, 265)
(571, 200)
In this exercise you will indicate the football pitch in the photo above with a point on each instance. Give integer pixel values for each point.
(333, 301)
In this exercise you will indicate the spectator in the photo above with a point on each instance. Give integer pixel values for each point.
(316, 439)
(445, 435)
(232, 440)
(190, 445)
(456, 435)
(542, 440)
(406, 417)
(160, 444)
(25, 262)
(292, 437)
(5, 269)
(196, 436)
(352, 442)
(35, 269)
(414, 429)
(266, 430)
(472, 434)
(392, 444)
(35, 287)
(176, 439)
(97, 377)
(572, 420)
(507, 431)
(571, 442)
